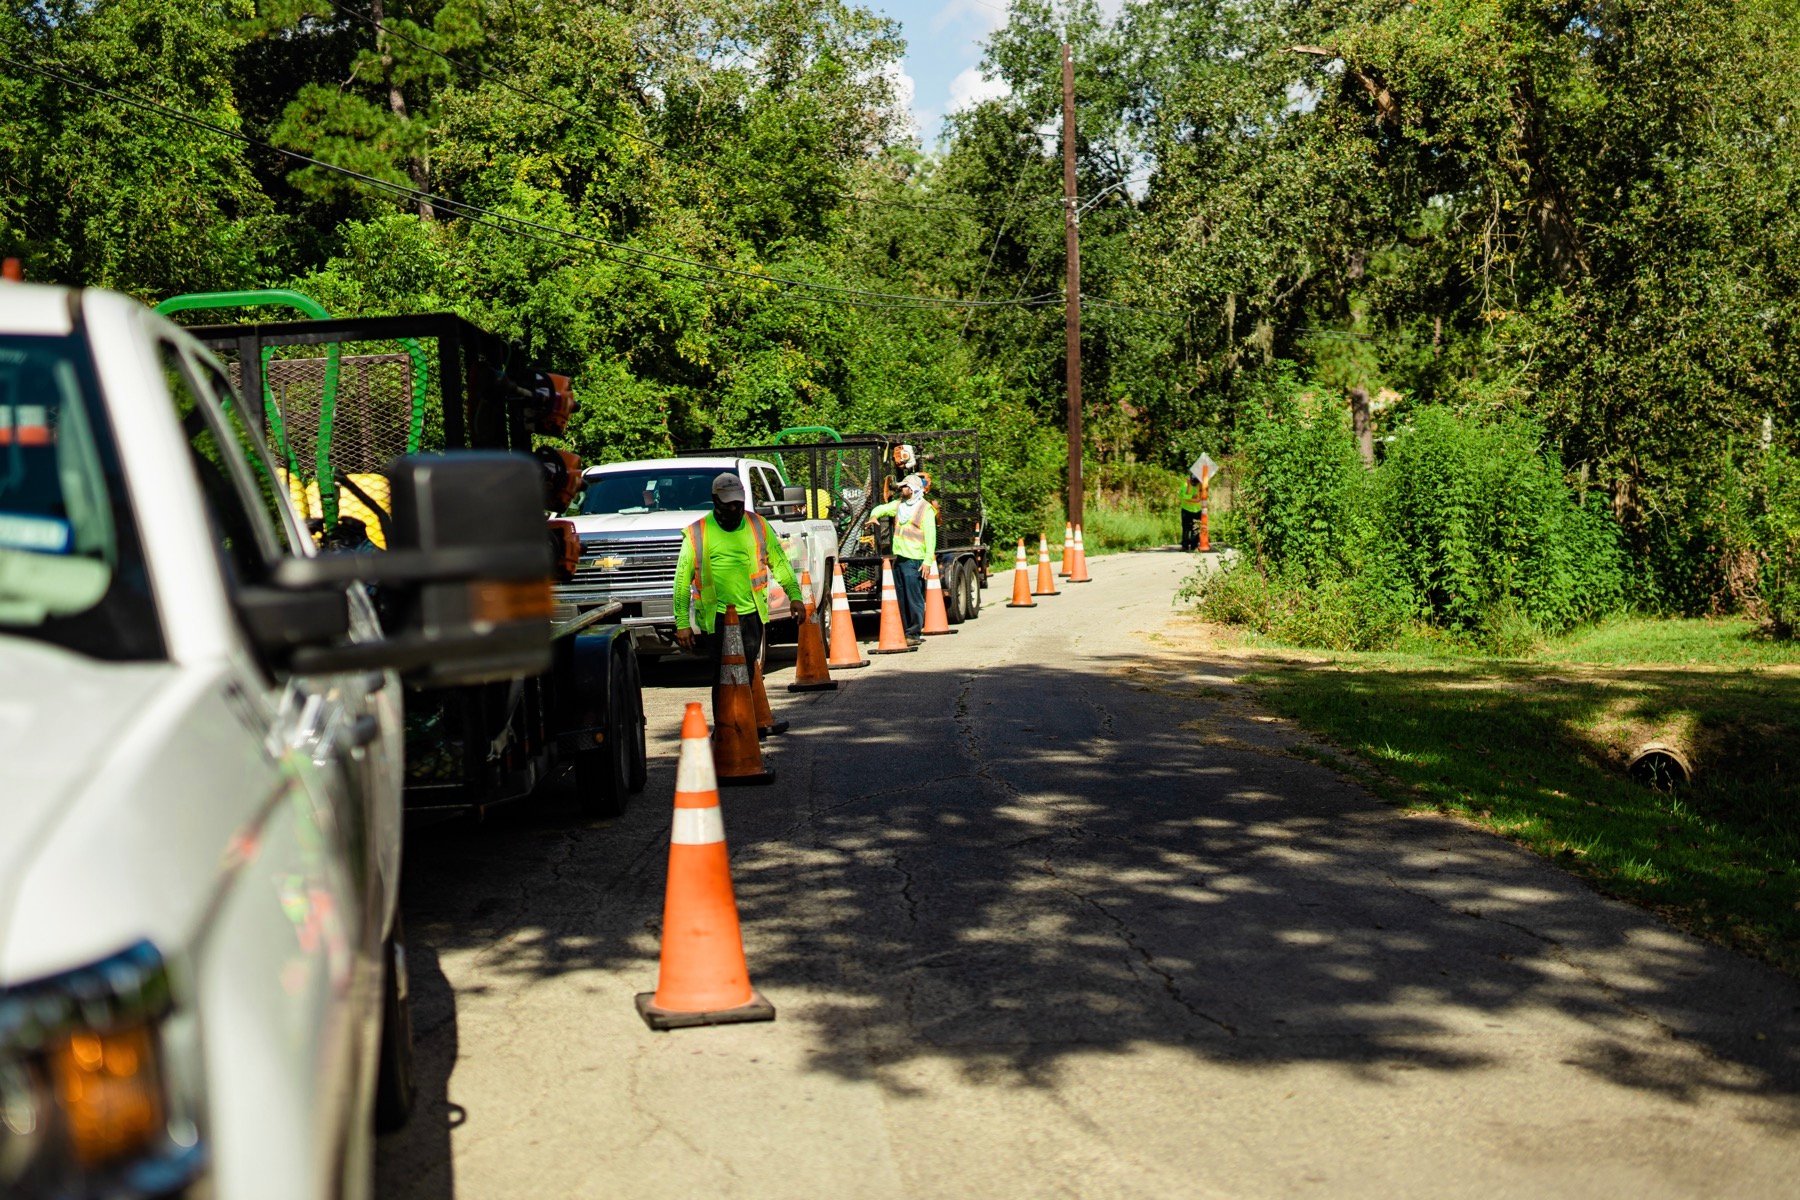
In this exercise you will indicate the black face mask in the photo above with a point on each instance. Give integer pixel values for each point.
(729, 515)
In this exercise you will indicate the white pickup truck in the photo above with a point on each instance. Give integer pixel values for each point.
(630, 523)
(202, 968)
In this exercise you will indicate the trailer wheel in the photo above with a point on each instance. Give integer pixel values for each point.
(603, 774)
(955, 593)
(971, 590)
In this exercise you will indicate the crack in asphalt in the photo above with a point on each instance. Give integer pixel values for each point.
(658, 1125)
(1130, 938)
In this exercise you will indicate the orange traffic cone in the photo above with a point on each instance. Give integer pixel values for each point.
(937, 620)
(1068, 550)
(893, 629)
(1081, 572)
(844, 652)
(810, 671)
(736, 755)
(702, 978)
(1046, 580)
(1021, 582)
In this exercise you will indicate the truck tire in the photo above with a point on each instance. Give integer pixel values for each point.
(971, 590)
(396, 1087)
(634, 690)
(955, 592)
(603, 775)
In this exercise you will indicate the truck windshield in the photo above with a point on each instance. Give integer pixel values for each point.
(668, 489)
(71, 572)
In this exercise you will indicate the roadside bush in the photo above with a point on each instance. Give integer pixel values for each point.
(1466, 528)
(1481, 517)
(1302, 492)
(1778, 532)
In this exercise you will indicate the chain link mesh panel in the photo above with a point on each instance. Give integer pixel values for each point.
(386, 405)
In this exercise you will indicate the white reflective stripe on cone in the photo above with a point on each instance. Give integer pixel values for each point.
(698, 826)
(694, 770)
(736, 673)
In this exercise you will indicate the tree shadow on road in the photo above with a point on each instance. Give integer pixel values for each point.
(1009, 869)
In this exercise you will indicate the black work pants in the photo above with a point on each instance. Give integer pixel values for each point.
(910, 584)
(1190, 530)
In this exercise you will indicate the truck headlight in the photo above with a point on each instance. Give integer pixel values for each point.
(86, 1106)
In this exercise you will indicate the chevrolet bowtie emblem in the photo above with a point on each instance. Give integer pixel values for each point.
(609, 562)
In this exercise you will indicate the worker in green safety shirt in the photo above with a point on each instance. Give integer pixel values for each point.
(726, 559)
(1193, 503)
(915, 544)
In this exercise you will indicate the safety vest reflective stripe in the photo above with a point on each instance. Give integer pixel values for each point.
(759, 578)
(912, 534)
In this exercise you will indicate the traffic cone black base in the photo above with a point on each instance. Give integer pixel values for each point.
(658, 1018)
(830, 685)
(758, 780)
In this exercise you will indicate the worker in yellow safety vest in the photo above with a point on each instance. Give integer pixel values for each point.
(726, 559)
(915, 544)
(1193, 503)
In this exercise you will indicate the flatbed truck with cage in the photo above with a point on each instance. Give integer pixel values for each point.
(841, 479)
(816, 489)
(340, 397)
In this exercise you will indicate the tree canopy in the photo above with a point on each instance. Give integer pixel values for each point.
(1577, 213)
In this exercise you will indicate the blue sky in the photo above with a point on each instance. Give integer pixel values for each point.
(943, 54)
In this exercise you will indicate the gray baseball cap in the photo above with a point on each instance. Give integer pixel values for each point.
(728, 487)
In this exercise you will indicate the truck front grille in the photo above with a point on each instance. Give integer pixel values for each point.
(633, 566)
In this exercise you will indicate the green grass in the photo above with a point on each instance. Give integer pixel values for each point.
(1717, 643)
(1113, 526)
(1535, 750)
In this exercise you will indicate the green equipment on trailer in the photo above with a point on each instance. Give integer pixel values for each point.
(343, 396)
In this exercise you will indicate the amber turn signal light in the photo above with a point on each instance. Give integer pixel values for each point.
(109, 1093)
(498, 603)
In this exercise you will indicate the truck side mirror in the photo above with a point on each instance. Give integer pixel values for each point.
(791, 504)
(465, 578)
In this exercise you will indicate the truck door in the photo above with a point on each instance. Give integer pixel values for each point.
(370, 705)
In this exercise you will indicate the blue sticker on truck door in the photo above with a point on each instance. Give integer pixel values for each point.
(41, 535)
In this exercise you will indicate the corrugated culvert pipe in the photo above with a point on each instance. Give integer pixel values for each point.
(1660, 765)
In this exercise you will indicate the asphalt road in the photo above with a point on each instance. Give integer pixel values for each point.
(1049, 909)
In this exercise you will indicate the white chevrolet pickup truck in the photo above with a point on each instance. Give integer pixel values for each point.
(630, 522)
(202, 968)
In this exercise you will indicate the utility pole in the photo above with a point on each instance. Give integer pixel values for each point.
(1072, 304)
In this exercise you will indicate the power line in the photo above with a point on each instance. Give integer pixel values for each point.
(1158, 312)
(950, 208)
(463, 208)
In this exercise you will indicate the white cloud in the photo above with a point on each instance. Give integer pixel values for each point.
(987, 15)
(903, 120)
(971, 87)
